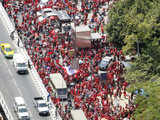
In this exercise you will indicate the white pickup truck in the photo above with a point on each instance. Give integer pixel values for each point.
(41, 105)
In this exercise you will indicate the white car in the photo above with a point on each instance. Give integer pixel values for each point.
(41, 106)
(22, 113)
(20, 63)
(21, 109)
(105, 62)
(44, 11)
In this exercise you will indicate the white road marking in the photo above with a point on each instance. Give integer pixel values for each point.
(19, 90)
(14, 81)
(11, 74)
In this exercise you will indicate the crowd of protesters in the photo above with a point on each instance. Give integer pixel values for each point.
(46, 44)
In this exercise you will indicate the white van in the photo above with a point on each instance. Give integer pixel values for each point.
(20, 109)
(78, 115)
(58, 85)
(20, 63)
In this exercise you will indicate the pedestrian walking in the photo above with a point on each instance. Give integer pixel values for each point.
(29, 64)
(56, 111)
(12, 35)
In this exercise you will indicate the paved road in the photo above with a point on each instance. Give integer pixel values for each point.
(13, 84)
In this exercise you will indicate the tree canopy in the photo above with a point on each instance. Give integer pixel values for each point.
(134, 25)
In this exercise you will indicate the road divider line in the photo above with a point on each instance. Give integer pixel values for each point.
(14, 81)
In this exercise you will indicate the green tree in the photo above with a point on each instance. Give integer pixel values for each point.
(136, 23)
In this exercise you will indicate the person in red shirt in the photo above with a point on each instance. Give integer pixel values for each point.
(125, 94)
(102, 29)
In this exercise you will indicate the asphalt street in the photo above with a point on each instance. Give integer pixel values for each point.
(13, 84)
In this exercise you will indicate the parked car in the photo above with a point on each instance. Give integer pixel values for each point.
(105, 62)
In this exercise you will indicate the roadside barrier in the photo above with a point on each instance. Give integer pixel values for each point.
(5, 108)
(5, 19)
(36, 78)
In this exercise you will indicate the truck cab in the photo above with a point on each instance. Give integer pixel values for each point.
(21, 109)
(20, 63)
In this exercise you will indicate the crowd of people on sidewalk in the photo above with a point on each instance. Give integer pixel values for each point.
(46, 44)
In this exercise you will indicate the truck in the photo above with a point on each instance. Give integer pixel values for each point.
(78, 115)
(41, 105)
(21, 109)
(59, 86)
(20, 63)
